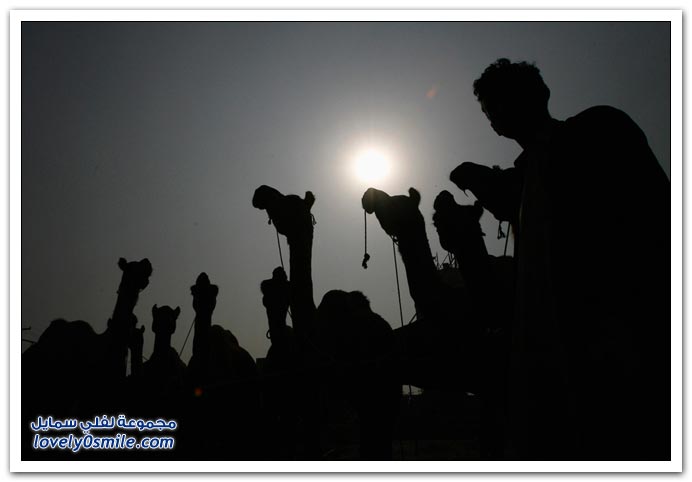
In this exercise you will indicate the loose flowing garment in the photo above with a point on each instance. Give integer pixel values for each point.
(590, 352)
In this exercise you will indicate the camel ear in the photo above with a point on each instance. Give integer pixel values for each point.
(309, 199)
(122, 262)
(177, 311)
(415, 195)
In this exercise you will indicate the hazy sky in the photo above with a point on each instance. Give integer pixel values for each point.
(148, 140)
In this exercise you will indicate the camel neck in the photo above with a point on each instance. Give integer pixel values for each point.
(301, 292)
(471, 254)
(124, 304)
(201, 338)
(277, 322)
(420, 270)
(162, 343)
(135, 361)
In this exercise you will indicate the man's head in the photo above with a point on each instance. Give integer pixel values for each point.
(513, 96)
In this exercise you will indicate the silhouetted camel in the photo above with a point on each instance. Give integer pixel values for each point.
(490, 284)
(343, 330)
(488, 279)
(157, 387)
(72, 371)
(439, 350)
(164, 359)
(280, 371)
(223, 382)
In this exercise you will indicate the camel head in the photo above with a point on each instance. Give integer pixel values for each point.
(289, 213)
(455, 222)
(164, 319)
(275, 291)
(204, 295)
(135, 274)
(397, 214)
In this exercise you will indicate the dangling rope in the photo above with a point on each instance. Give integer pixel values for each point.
(278, 242)
(398, 289)
(188, 336)
(500, 233)
(366, 256)
(401, 311)
(281, 258)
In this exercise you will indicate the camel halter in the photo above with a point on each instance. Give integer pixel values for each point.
(187, 336)
(278, 240)
(278, 243)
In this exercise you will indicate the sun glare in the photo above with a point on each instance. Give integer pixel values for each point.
(372, 165)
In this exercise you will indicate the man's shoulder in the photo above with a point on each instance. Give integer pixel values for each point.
(600, 115)
(605, 125)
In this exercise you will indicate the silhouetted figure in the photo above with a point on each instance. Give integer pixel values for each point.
(222, 417)
(73, 372)
(590, 205)
(315, 332)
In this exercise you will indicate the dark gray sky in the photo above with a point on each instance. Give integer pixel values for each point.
(148, 140)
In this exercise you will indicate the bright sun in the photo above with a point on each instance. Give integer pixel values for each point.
(372, 165)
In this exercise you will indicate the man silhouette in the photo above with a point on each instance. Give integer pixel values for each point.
(590, 209)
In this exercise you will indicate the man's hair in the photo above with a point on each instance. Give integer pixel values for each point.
(512, 81)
